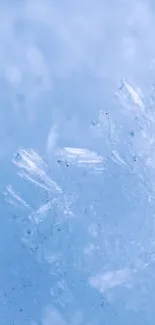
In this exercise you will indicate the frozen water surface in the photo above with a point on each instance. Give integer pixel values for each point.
(77, 162)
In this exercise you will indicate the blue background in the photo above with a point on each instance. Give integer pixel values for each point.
(77, 74)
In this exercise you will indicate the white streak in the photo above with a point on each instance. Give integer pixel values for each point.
(33, 169)
(134, 95)
(130, 97)
(80, 155)
(116, 158)
(110, 280)
(14, 198)
(40, 214)
(51, 140)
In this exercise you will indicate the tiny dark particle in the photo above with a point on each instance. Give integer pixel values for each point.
(17, 155)
(59, 229)
(21, 310)
(132, 133)
(58, 161)
(28, 231)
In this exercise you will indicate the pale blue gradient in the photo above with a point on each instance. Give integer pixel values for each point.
(77, 74)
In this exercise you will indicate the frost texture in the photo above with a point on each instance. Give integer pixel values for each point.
(77, 131)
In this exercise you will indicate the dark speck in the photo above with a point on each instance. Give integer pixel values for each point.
(85, 210)
(17, 155)
(93, 123)
(21, 310)
(36, 249)
(132, 133)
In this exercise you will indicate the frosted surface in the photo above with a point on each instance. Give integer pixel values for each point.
(77, 162)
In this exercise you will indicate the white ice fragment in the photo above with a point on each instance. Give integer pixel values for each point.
(14, 198)
(41, 212)
(33, 168)
(129, 96)
(110, 280)
(80, 155)
(134, 95)
(116, 158)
